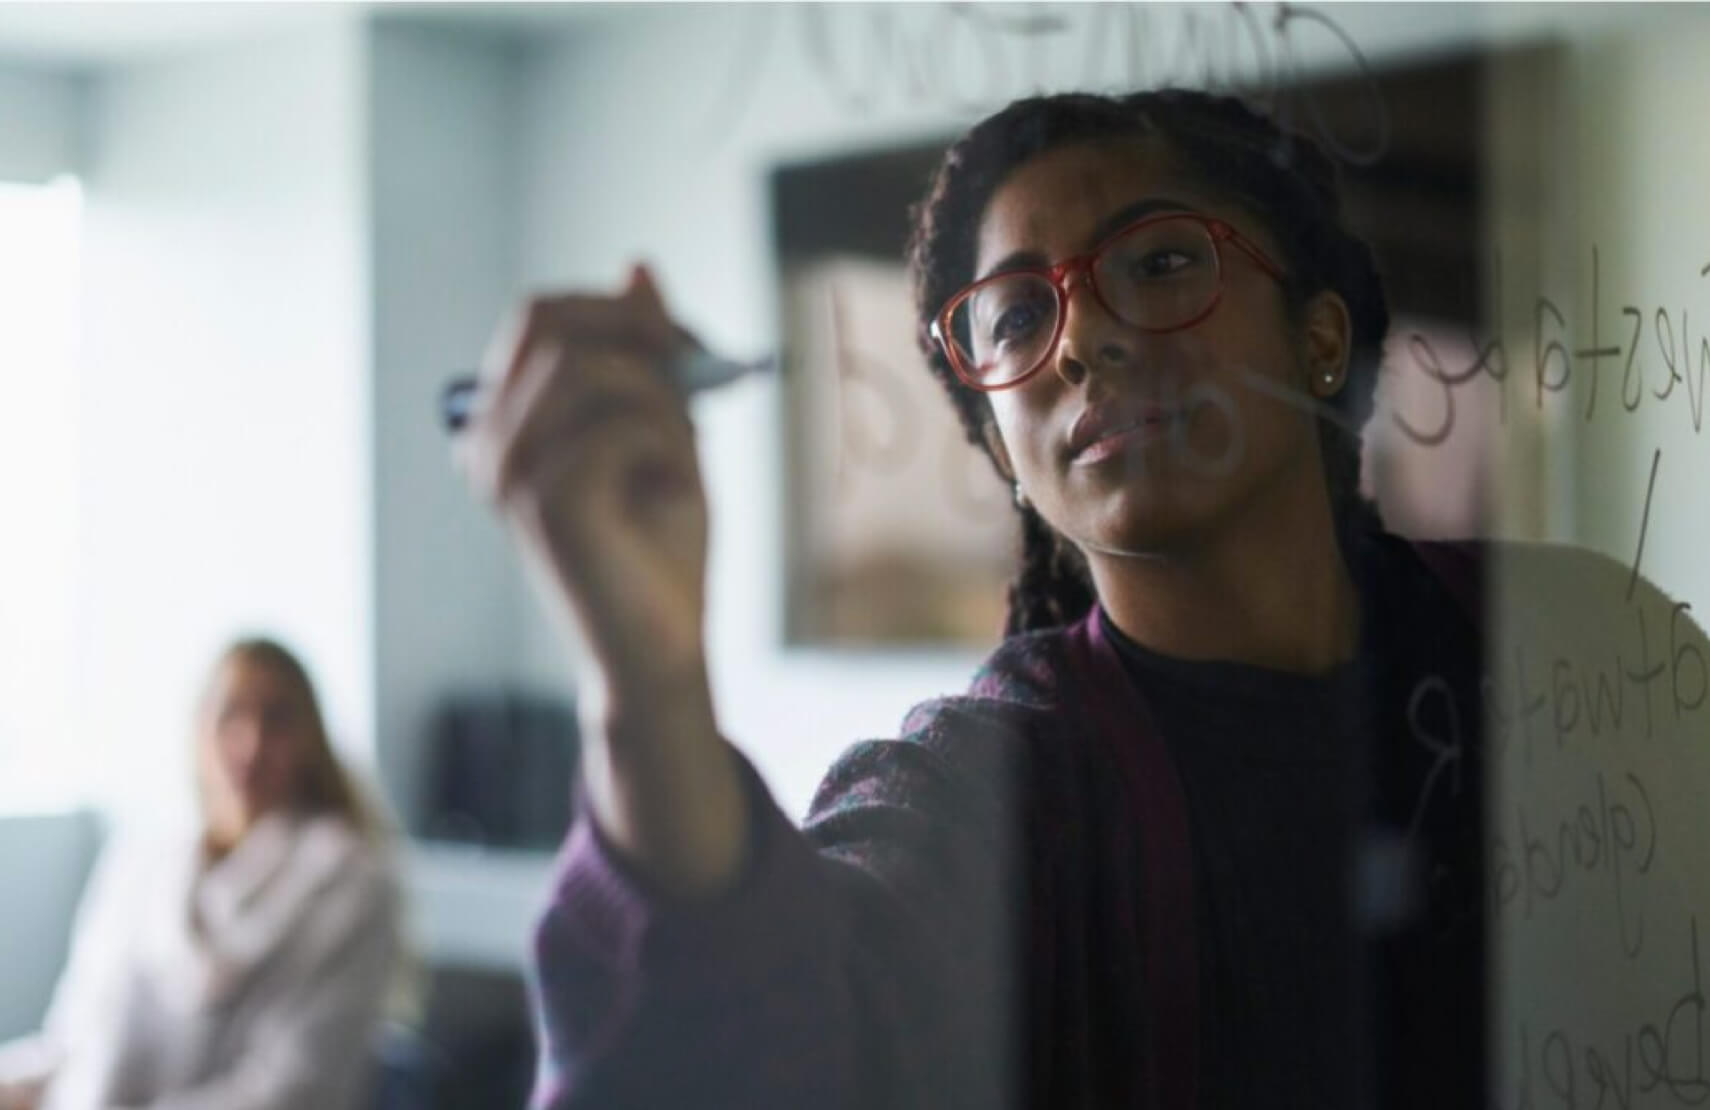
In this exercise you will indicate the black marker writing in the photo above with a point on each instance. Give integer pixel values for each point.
(1627, 375)
(1685, 651)
(1532, 863)
(1665, 1054)
(971, 59)
(1580, 697)
(1644, 523)
(1594, 352)
(1557, 362)
(1447, 749)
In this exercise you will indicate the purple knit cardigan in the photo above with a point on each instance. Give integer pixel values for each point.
(972, 916)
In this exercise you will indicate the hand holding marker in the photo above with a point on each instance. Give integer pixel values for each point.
(694, 370)
(578, 434)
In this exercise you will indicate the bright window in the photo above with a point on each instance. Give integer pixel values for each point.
(39, 250)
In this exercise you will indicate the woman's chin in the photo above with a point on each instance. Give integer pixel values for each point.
(1143, 519)
(243, 812)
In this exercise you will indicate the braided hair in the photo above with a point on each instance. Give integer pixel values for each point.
(1280, 177)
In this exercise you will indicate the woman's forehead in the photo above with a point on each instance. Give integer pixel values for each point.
(1054, 203)
(243, 679)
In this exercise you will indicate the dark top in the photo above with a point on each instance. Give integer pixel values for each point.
(1267, 762)
(991, 910)
(1279, 773)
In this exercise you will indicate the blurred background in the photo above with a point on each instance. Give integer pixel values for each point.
(243, 246)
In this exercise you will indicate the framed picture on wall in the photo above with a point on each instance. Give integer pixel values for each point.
(899, 531)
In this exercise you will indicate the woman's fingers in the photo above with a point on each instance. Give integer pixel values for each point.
(636, 319)
(558, 399)
(587, 448)
(588, 401)
(550, 358)
(600, 478)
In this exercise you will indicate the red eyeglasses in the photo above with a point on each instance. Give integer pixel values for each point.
(1160, 274)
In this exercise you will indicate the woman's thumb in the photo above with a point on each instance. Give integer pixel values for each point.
(641, 285)
(642, 292)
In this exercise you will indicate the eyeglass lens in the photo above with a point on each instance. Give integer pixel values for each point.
(1157, 276)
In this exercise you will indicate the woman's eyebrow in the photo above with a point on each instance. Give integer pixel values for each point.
(1024, 259)
(1031, 258)
(1129, 214)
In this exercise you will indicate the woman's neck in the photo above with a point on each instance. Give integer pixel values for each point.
(1272, 590)
(224, 832)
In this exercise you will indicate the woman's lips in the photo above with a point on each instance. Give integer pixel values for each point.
(1125, 436)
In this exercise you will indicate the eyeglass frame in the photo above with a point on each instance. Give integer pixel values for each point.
(1219, 231)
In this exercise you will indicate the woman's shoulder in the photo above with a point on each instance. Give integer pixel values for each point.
(1016, 685)
(1025, 670)
(975, 741)
(336, 836)
(358, 861)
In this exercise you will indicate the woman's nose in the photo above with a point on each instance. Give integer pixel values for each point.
(1092, 340)
(243, 742)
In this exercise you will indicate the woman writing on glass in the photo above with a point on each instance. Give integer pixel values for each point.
(1121, 869)
(248, 969)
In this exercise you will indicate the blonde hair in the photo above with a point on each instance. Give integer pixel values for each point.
(325, 785)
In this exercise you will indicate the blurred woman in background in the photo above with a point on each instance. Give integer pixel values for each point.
(248, 967)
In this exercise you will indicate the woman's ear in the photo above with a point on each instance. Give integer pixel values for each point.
(1328, 340)
(1000, 453)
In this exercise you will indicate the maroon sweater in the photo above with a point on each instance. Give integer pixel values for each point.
(1000, 908)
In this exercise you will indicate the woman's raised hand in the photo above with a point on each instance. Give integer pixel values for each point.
(586, 449)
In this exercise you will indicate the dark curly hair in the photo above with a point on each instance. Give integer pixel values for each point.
(1280, 177)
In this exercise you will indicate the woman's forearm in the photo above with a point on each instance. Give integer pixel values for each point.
(663, 788)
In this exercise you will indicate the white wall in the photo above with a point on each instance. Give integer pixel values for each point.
(225, 401)
(447, 589)
(41, 116)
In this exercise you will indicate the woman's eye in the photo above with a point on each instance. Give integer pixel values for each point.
(1015, 322)
(1162, 263)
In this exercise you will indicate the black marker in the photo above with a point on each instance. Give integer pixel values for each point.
(694, 370)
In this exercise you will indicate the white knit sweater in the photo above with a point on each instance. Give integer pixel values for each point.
(254, 983)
